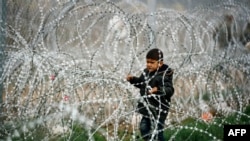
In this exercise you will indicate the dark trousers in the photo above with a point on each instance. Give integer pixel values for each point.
(149, 126)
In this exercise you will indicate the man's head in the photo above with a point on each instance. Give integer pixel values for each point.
(154, 59)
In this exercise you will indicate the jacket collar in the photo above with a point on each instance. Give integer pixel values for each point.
(161, 70)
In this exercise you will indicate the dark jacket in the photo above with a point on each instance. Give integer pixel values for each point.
(151, 103)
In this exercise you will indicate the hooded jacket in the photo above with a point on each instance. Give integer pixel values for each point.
(159, 102)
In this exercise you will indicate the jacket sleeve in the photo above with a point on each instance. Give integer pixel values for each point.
(137, 81)
(166, 85)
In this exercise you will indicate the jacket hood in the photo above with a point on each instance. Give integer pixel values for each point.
(164, 68)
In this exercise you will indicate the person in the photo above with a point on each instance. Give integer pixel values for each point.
(156, 89)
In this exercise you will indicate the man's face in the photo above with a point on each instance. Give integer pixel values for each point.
(153, 65)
